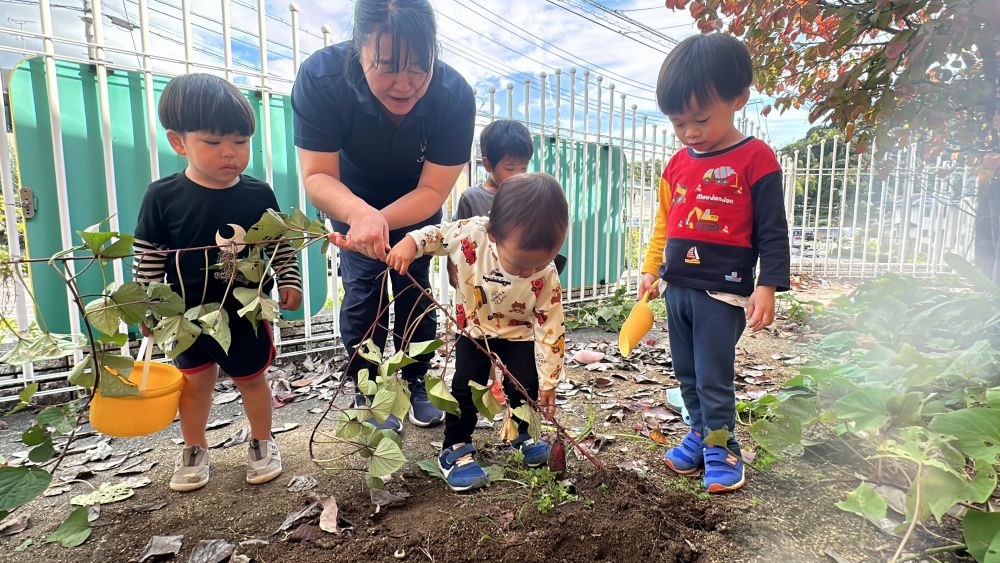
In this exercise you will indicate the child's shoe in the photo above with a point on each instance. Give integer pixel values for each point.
(723, 470)
(687, 457)
(191, 470)
(536, 453)
(460, 469)
(263, 461)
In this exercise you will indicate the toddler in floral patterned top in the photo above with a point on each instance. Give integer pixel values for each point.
(510, 301)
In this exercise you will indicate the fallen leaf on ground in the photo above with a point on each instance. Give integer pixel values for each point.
(111, 463)
(137, 482)
(100, 452)
(228, 397)
(302, 483)
(307, 509)
(587, 357)
(603, 382)
(211, 551)
(382, 497)
(285, 427)
(219, 423)
(600, 366)
(430, 467)
(658, 437)
(328, 518)
(240, 558)
(93, 513)
(15, 525)
(139, 467)
(306, 532)
(107, 494)
(643, 379)
(150, 506)
(241, 436)
(161, 545)
(56, 491)
(317, 410)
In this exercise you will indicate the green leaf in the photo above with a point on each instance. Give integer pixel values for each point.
(402, 403)
(120, 248)
(440, 397)
(993, 397)
(530, 415)
(94, 239)
(941, 490)
(24, 545)
(34, 435)
(56, 418)
(486, 403)
(130, 302)
(430, 466)
(982, 535)
(386, 459)
(42, 452)
(864, 501)
(366, 386)
(426, 347)
(269, 309)
(24, 397)
(74, 531)
(163, 300)
(349, 426)
(298, 220)
(840, 341)
(50, 346)
(369, 351)
(246, 295)
(175, 334)
(865, 409)
(20, 354)
(271, 225)
(976, 431)
(396, 362)
(374, 481)
(19, 485)
(781, 436)
(251, 268)
(107, 494)
(718, 437)
(114, 376)
(975, 361)
(382, 404)
(80, 376)
(216, 325)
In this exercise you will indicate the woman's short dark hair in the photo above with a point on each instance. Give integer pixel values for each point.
(204, 102)
(506, 138)
(409, 23)
(702, 67)
(534, 206)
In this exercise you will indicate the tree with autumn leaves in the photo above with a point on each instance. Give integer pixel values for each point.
(889, 72)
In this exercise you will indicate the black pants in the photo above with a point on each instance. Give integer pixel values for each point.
(364, 283)
(473, 365)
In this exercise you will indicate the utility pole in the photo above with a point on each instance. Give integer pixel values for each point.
(88, 22)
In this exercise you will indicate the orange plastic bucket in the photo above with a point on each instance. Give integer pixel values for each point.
(151, 411)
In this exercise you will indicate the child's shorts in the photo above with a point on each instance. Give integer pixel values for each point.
(250, 352)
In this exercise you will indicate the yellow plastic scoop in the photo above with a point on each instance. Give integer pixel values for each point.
(638, 323)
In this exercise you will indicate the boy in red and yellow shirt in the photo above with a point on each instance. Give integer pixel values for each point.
(720, 209)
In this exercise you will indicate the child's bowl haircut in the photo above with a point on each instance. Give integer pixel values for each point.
(506, 139)
(203, 102)
(534, 206)
(701, 68)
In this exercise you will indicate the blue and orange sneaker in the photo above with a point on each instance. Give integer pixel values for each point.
(723, 471)
(688, 457)
(536, 452)
(459, 468)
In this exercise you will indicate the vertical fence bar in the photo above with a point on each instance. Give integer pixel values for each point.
(13, 237)
(632, 253)
(541, 125)
(608, 169)
(327, 31)
(227, 40)
(895, 208)
(510, 100)
(571, 190)
(868, 209)
(597, 175)
(293, 9)
(819, 203)
(110, 186)
(644, 236)
(829, 209)
(921, 212)
(148, 93)
(588, 197)
(792, 188)
(625, 198)
(186, 23)
(557, 158)
(527, 107)
(843, 204)
(265, 112)
(933, 256)
(493, 103)
(58, 156)
(907, 207)
(854, 219)
(883, 194)
(805, 207)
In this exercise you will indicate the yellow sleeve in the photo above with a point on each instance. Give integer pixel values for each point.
(658, 240)
(550, 332)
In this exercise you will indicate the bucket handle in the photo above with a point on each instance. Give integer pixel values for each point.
(146, 353)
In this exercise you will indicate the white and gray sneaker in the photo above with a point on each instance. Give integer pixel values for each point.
(191, 470)
(263, 461)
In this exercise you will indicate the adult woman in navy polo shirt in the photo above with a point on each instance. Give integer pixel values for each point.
(383, 129)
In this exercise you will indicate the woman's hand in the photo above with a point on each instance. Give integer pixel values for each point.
(401, 255)
(368, 234)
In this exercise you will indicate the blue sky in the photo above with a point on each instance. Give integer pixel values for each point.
(537, 36)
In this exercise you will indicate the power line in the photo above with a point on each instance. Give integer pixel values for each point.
(586, 15)
(574, 59)
(618, 14)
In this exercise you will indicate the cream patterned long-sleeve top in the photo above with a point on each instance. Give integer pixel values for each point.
(496, 304)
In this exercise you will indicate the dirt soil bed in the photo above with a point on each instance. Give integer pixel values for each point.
(636, 511)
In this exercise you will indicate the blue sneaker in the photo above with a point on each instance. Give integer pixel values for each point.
(723, 470)
(459, 467)
(422, 411)
(536, 453)
(687, 457)
(391, 422)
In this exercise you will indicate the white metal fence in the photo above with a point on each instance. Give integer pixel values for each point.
(846, 219)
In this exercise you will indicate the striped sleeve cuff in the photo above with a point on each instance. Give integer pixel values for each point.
(147, 265)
